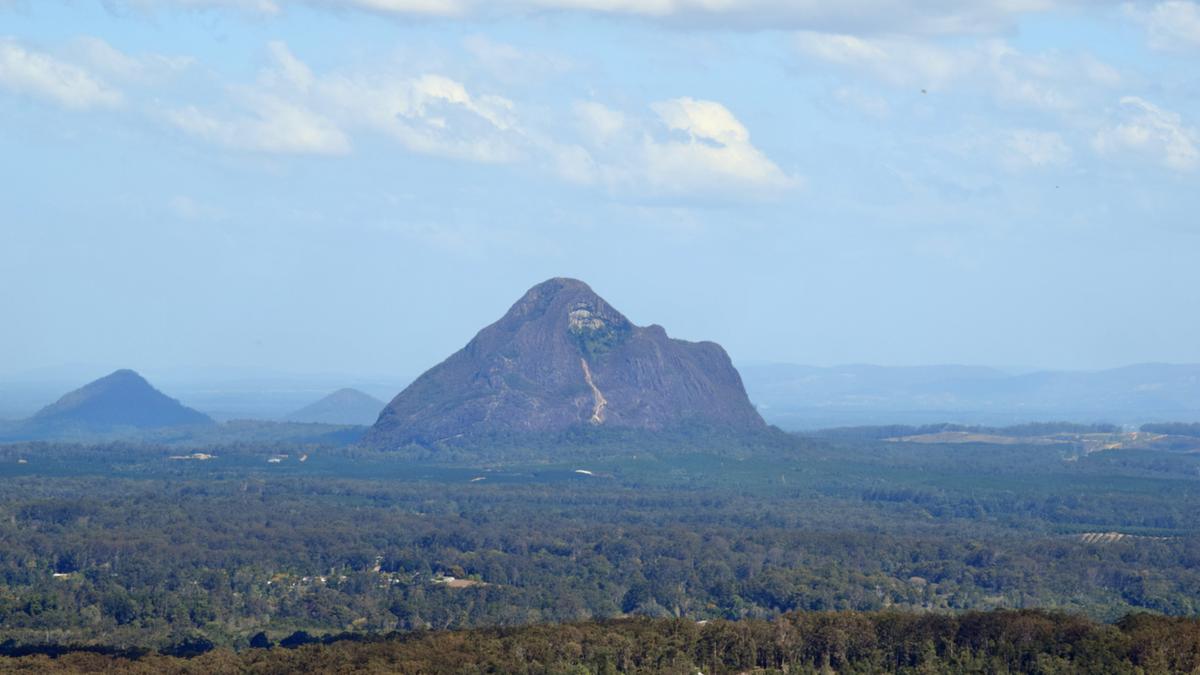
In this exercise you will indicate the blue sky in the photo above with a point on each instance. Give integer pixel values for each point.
(359, 185)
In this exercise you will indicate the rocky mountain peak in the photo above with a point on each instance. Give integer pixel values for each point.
(563, 357)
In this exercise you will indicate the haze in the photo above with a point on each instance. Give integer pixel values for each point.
(316, 187)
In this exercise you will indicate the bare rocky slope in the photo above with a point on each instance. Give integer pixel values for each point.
(563, 358)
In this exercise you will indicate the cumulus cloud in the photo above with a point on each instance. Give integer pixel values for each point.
(711, 149)
(690, 146)
(1152, 131)
(430, 114)
(34, 73)
(291, 109)
(1173, 25)
(671, 148)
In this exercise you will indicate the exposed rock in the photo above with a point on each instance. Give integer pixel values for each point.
(560, 358)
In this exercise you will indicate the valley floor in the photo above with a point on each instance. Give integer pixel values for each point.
(126, 546)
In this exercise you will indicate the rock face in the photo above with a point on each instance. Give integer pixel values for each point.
(344, 406)
(122, 399)
(562, 357)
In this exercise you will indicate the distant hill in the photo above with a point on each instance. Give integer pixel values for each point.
(344, 406)
(806, 397)
(121, 400)
(563, 358)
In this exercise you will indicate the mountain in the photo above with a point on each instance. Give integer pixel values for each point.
(123, 399)
(806, 397)
(563, 358)
(344, 406)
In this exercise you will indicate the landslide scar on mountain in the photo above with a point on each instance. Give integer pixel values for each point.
(600, 402)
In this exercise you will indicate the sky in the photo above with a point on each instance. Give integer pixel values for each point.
(360, 185)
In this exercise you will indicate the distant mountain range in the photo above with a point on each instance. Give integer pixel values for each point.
(807, 397)
(562, 358)
(344, 406)
(223, 393)
(791, 396)
(121, 400)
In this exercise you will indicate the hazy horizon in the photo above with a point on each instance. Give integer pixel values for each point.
(226, 372)
(793, 396)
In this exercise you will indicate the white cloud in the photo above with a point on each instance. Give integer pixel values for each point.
(927, 17)
(271, 7)
(599, 123)
(714, 153)
(1148, 129)
(902, 62)
(291, 109)
(267, 124)
(429, 114)
(691, 147)
(252, 6)
(680, 146)
(1172, 25)
(119, 66)
(289, 71)
(1049, 81)
(38, 74)
(417, 7)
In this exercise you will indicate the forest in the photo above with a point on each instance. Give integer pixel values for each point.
(1001, 641)
(140, 549)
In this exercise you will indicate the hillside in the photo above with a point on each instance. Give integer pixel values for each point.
(563, 358)
(344, 406)
(120, 400)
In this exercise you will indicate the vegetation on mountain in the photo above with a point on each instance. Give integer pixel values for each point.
(344, 406)
(122, 400)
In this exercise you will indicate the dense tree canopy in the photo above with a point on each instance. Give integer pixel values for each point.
(123, 547)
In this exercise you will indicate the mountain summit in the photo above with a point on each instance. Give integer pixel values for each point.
(344, 406)
(121, 399)
(562, 357)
